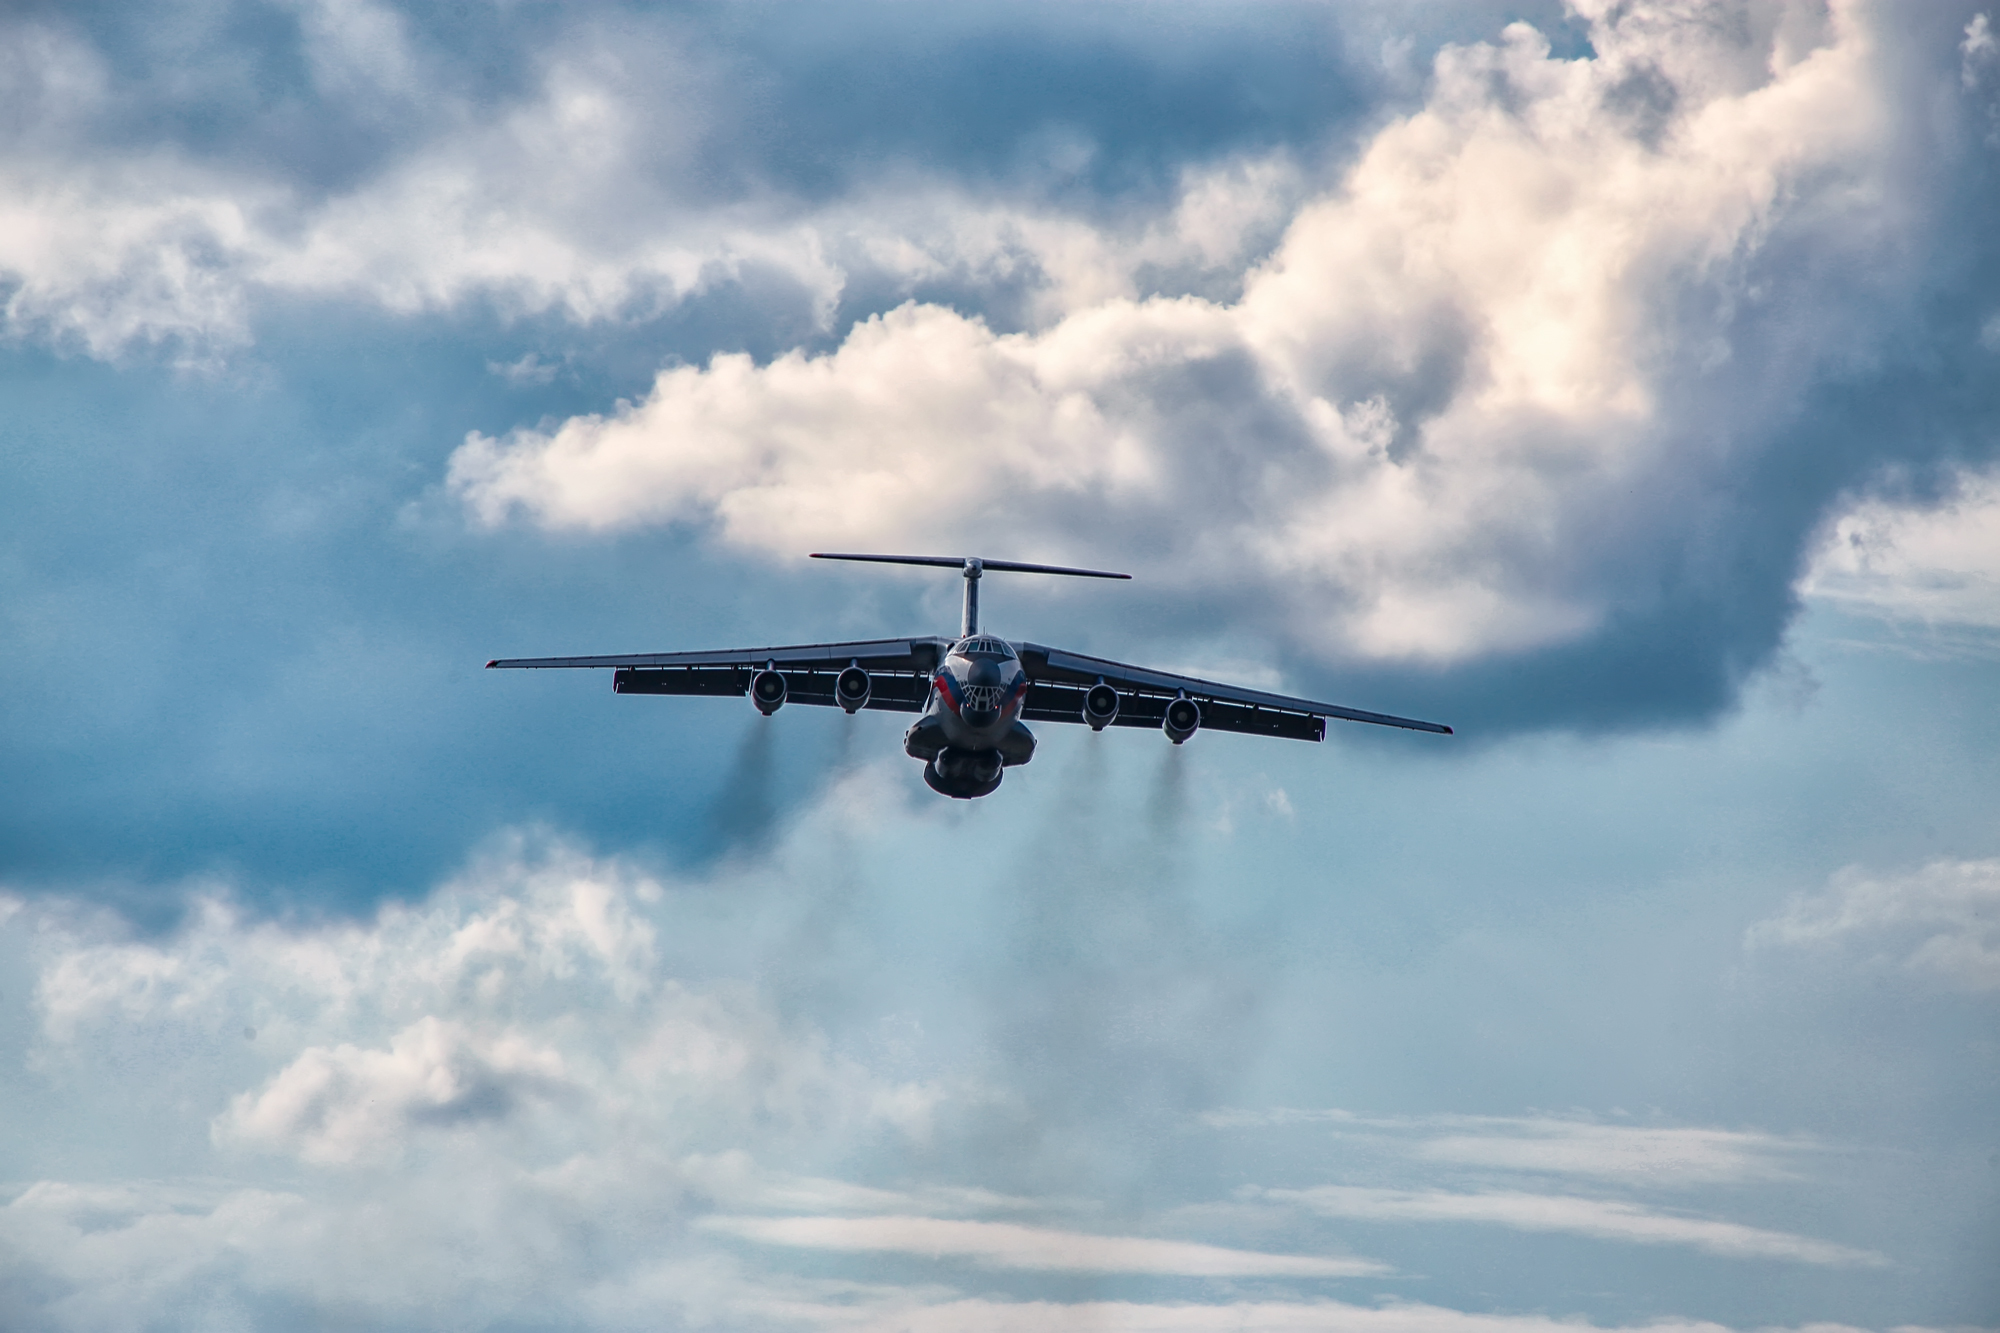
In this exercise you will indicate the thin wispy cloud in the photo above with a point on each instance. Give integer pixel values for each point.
(1254, 1316)
(1012, 1245)
(1655, 1156)
(1600, 1219)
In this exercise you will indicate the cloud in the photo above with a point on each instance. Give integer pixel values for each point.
(1249, 1316)
(481, 1102)
(344, 1103)
(457, 1016)
(1507, 391)
(1941, 921)
(1639, 1157)
(1496, 395)
(1653, 1156)
(1601, 1219)
(1011, 1245)
(543, 1094)
(601, 167)
(1936, 564)
(1637, 1154)
(511, 204)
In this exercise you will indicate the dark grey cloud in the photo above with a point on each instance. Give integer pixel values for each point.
(810, 102)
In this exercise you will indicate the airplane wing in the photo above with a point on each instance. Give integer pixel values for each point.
(1059, 679)
(899, 669)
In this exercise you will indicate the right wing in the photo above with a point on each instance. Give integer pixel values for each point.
(900, 670)
(1059, 680)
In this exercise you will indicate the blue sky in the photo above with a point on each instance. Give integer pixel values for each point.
(1615, 382)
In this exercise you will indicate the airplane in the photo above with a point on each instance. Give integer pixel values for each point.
(974, 692)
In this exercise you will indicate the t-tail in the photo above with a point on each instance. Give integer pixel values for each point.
(973, 567)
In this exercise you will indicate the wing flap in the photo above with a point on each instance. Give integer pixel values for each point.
(894, 693)
(1050, 702)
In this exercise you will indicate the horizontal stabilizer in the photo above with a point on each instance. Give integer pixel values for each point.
(960, 562)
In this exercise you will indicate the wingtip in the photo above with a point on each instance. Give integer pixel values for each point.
(494, 663)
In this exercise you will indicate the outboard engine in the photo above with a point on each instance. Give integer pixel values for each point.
(767, 691)
(1100, 706)
(964, 774)
(1183, 719)
(851, 688)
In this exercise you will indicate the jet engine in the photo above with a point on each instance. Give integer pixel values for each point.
(1100, 706)
(851, 688)
(1182, 720)
(767, 691)
(964, 773)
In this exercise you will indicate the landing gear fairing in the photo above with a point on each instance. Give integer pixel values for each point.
(975, 692)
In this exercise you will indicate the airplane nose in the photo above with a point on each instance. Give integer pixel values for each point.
(982, 695)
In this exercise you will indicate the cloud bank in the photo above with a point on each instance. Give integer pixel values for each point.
(523, 1097)
(1508, 392)
(1535, 395)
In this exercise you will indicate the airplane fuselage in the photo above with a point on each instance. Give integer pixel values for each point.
(971, 725)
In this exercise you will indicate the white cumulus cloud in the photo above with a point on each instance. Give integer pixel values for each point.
(1466, 399)
(1941, 921)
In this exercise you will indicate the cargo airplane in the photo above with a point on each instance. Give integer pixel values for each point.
(973, 693)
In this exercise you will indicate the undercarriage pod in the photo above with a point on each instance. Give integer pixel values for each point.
(1183, 719)
(1100, 706)
(767, 691)
(852, 688)
(964, 774)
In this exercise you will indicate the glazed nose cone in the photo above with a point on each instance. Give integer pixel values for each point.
(982, 695)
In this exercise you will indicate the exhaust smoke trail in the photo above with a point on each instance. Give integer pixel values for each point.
(1113, 1004)
(744, 818)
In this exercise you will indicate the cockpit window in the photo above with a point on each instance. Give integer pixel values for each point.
(981, 646)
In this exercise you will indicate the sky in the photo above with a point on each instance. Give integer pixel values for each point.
(1615, 380)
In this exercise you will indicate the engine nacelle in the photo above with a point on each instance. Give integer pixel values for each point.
(1100, 706)
(1183, 719)
(851, 689)
(767, 691)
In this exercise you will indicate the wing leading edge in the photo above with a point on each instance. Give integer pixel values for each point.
(900, 670)
(1060, 679)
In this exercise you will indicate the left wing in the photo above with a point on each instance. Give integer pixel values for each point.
(899, 670)
(1059, 679)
